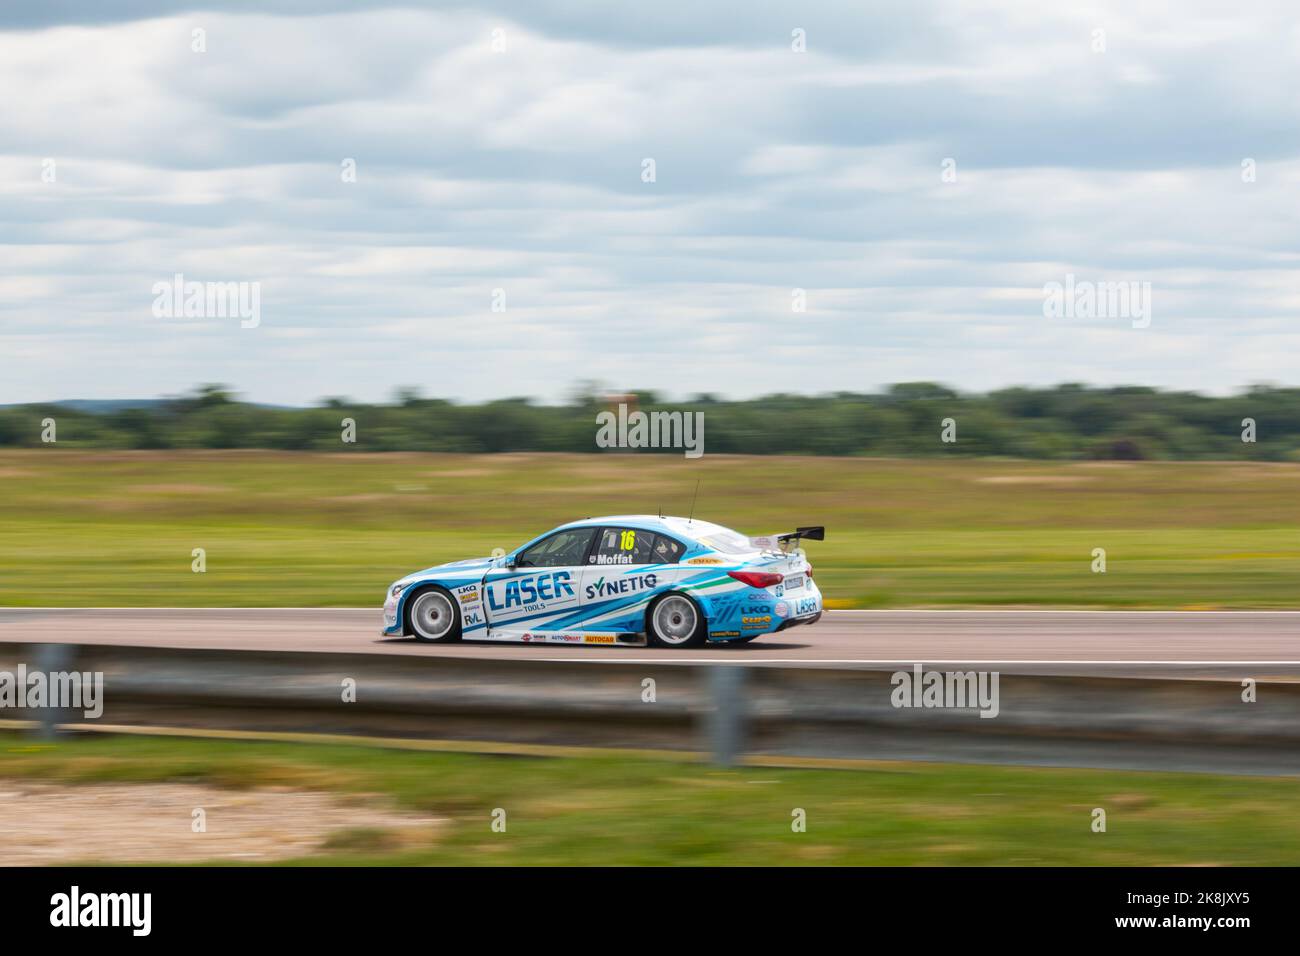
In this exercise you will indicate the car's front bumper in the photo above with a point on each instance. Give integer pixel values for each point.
(392, 617)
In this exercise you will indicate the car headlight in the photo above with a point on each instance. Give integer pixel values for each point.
(396, 589)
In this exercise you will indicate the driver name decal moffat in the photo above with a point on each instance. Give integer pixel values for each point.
(612, 587)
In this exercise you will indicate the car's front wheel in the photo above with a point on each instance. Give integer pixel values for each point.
(675, 621)
(432, 615)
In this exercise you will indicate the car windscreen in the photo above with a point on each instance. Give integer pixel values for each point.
(563, 549)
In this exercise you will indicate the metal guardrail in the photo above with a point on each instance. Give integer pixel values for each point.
(732, 712)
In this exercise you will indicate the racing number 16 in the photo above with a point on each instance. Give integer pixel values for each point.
(628, 540)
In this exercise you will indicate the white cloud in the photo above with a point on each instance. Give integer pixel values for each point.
(521, 170)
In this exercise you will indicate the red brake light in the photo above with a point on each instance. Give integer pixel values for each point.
(756, 579)
(809, 572)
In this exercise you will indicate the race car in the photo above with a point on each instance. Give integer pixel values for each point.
(627, 579)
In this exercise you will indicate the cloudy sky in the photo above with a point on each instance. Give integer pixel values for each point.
(503, 146)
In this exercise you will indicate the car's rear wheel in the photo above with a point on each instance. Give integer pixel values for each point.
(432, 615)
(675, 620)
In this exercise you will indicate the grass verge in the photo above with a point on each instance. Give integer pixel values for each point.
(87, 529)
(615, 810)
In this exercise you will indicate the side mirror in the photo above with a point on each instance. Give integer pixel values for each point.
(510, 562)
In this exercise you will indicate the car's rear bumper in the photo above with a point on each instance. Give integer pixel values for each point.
(793, 622)
(760, 612)
(804, 606)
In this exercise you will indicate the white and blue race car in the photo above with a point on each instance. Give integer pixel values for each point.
(630, 579)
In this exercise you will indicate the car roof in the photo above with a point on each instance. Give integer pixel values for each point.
(691, 528)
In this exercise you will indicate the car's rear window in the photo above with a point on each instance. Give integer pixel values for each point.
(667, 551)
(728, 542)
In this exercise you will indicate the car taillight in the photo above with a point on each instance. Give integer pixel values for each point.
(809, 572)
(756, 579)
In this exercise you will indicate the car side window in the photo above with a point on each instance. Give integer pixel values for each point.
(667, 550)
(562, 549)
(624, 546)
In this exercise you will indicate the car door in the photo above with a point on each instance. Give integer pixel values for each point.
(542, 585)
(625, 568)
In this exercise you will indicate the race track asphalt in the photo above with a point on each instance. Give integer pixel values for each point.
(1121, 642)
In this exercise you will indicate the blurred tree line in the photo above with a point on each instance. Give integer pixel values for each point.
(1065, 421)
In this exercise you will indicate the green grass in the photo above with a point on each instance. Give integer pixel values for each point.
(607, 810)
(82, 528)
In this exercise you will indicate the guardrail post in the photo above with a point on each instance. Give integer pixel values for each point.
(49, 659)
(726, 715)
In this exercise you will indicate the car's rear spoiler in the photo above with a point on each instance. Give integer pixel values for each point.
(778, 542)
